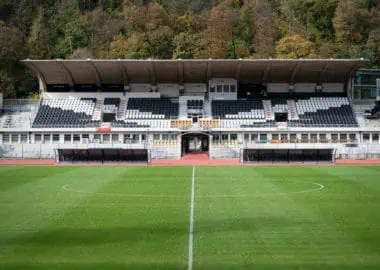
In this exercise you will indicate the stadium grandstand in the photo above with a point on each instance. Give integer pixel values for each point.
(270, 110)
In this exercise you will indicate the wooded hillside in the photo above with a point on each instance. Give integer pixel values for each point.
(171, 29)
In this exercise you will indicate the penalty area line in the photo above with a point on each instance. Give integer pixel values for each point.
(191, 222)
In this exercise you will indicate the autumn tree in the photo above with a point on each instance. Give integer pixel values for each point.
(265, 31)
(133, 47)
(215, 40)
(294, 47)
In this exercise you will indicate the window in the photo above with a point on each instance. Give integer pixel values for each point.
(246, 137)
(343, 137)
(37, 138)
(212, 89)
(127, 138)
(85, 138)
(216, 137)
(305, 137)
(97, 138)
(233, 88)
(313, 137)
(366, 137)
(323, 138)
(55, 138)
(275, 136)
(284, 137)
(14, 138)
(263, 138)
(224, 137)
(143, 137)
(219, 88)
(46, 138)
(173, 137)
(233, 137)
(106, 138)
(24, 138)
(76, 138)
(293, 137)
(115, 138)
(352, 137)
(334, 137)
(375, 137)
(6, 138)
(156, 137)
(254, 137)
(165, 137)
(226, 88)
(135, 138)
(67, 138)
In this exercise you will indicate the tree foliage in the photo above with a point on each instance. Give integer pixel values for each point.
(172, 29)
(294, 47)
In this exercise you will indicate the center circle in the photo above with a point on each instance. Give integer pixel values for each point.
(312, 187)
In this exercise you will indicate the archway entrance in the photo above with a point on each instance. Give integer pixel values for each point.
(195, 143)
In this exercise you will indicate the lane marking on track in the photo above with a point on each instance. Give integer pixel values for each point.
(191, 222)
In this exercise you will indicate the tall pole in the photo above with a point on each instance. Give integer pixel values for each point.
(378, 90)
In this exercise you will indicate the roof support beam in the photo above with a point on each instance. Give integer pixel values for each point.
(123, 72)
(152, 73)
(238, 69)
(69, 75)
(294, 72)
(323, 72)
(208, 70)
(350, 74)
(96, 73)
(266, 72)
(40, 76)
(181, 72)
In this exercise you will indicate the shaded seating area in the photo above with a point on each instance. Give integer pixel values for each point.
(324, 112)
(65, 113)
(152, 108)
(238, 109)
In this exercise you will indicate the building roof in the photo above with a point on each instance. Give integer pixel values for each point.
(124, 71)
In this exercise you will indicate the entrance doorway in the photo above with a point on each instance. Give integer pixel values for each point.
(195, 143)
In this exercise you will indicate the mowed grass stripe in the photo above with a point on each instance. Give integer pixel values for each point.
(288, 231)
(94, 234)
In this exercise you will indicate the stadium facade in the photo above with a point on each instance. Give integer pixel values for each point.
(140, 110)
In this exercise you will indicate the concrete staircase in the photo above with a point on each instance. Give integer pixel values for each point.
(268, 110)
(293, 114)
(97, 115)
(17, 120)
(122, 109)
(207, 111)
(182, 108)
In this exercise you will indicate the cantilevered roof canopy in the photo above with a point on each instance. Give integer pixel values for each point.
(125, 71)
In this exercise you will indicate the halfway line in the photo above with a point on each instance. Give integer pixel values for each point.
(191, 227)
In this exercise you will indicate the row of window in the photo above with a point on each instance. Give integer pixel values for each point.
(141, 138)
(223, 88)
(68, 138)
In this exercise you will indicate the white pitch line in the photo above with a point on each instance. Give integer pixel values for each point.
(191, 226)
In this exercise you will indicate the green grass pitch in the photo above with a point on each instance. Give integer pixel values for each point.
(138, 218)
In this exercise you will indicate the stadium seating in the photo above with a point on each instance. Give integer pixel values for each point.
(280, 105)
(311, 112)
(111, 105)
(238, 109)
(152, 108)
(65, 113)
(324, 112)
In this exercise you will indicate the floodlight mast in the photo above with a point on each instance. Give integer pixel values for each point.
(378, 89)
